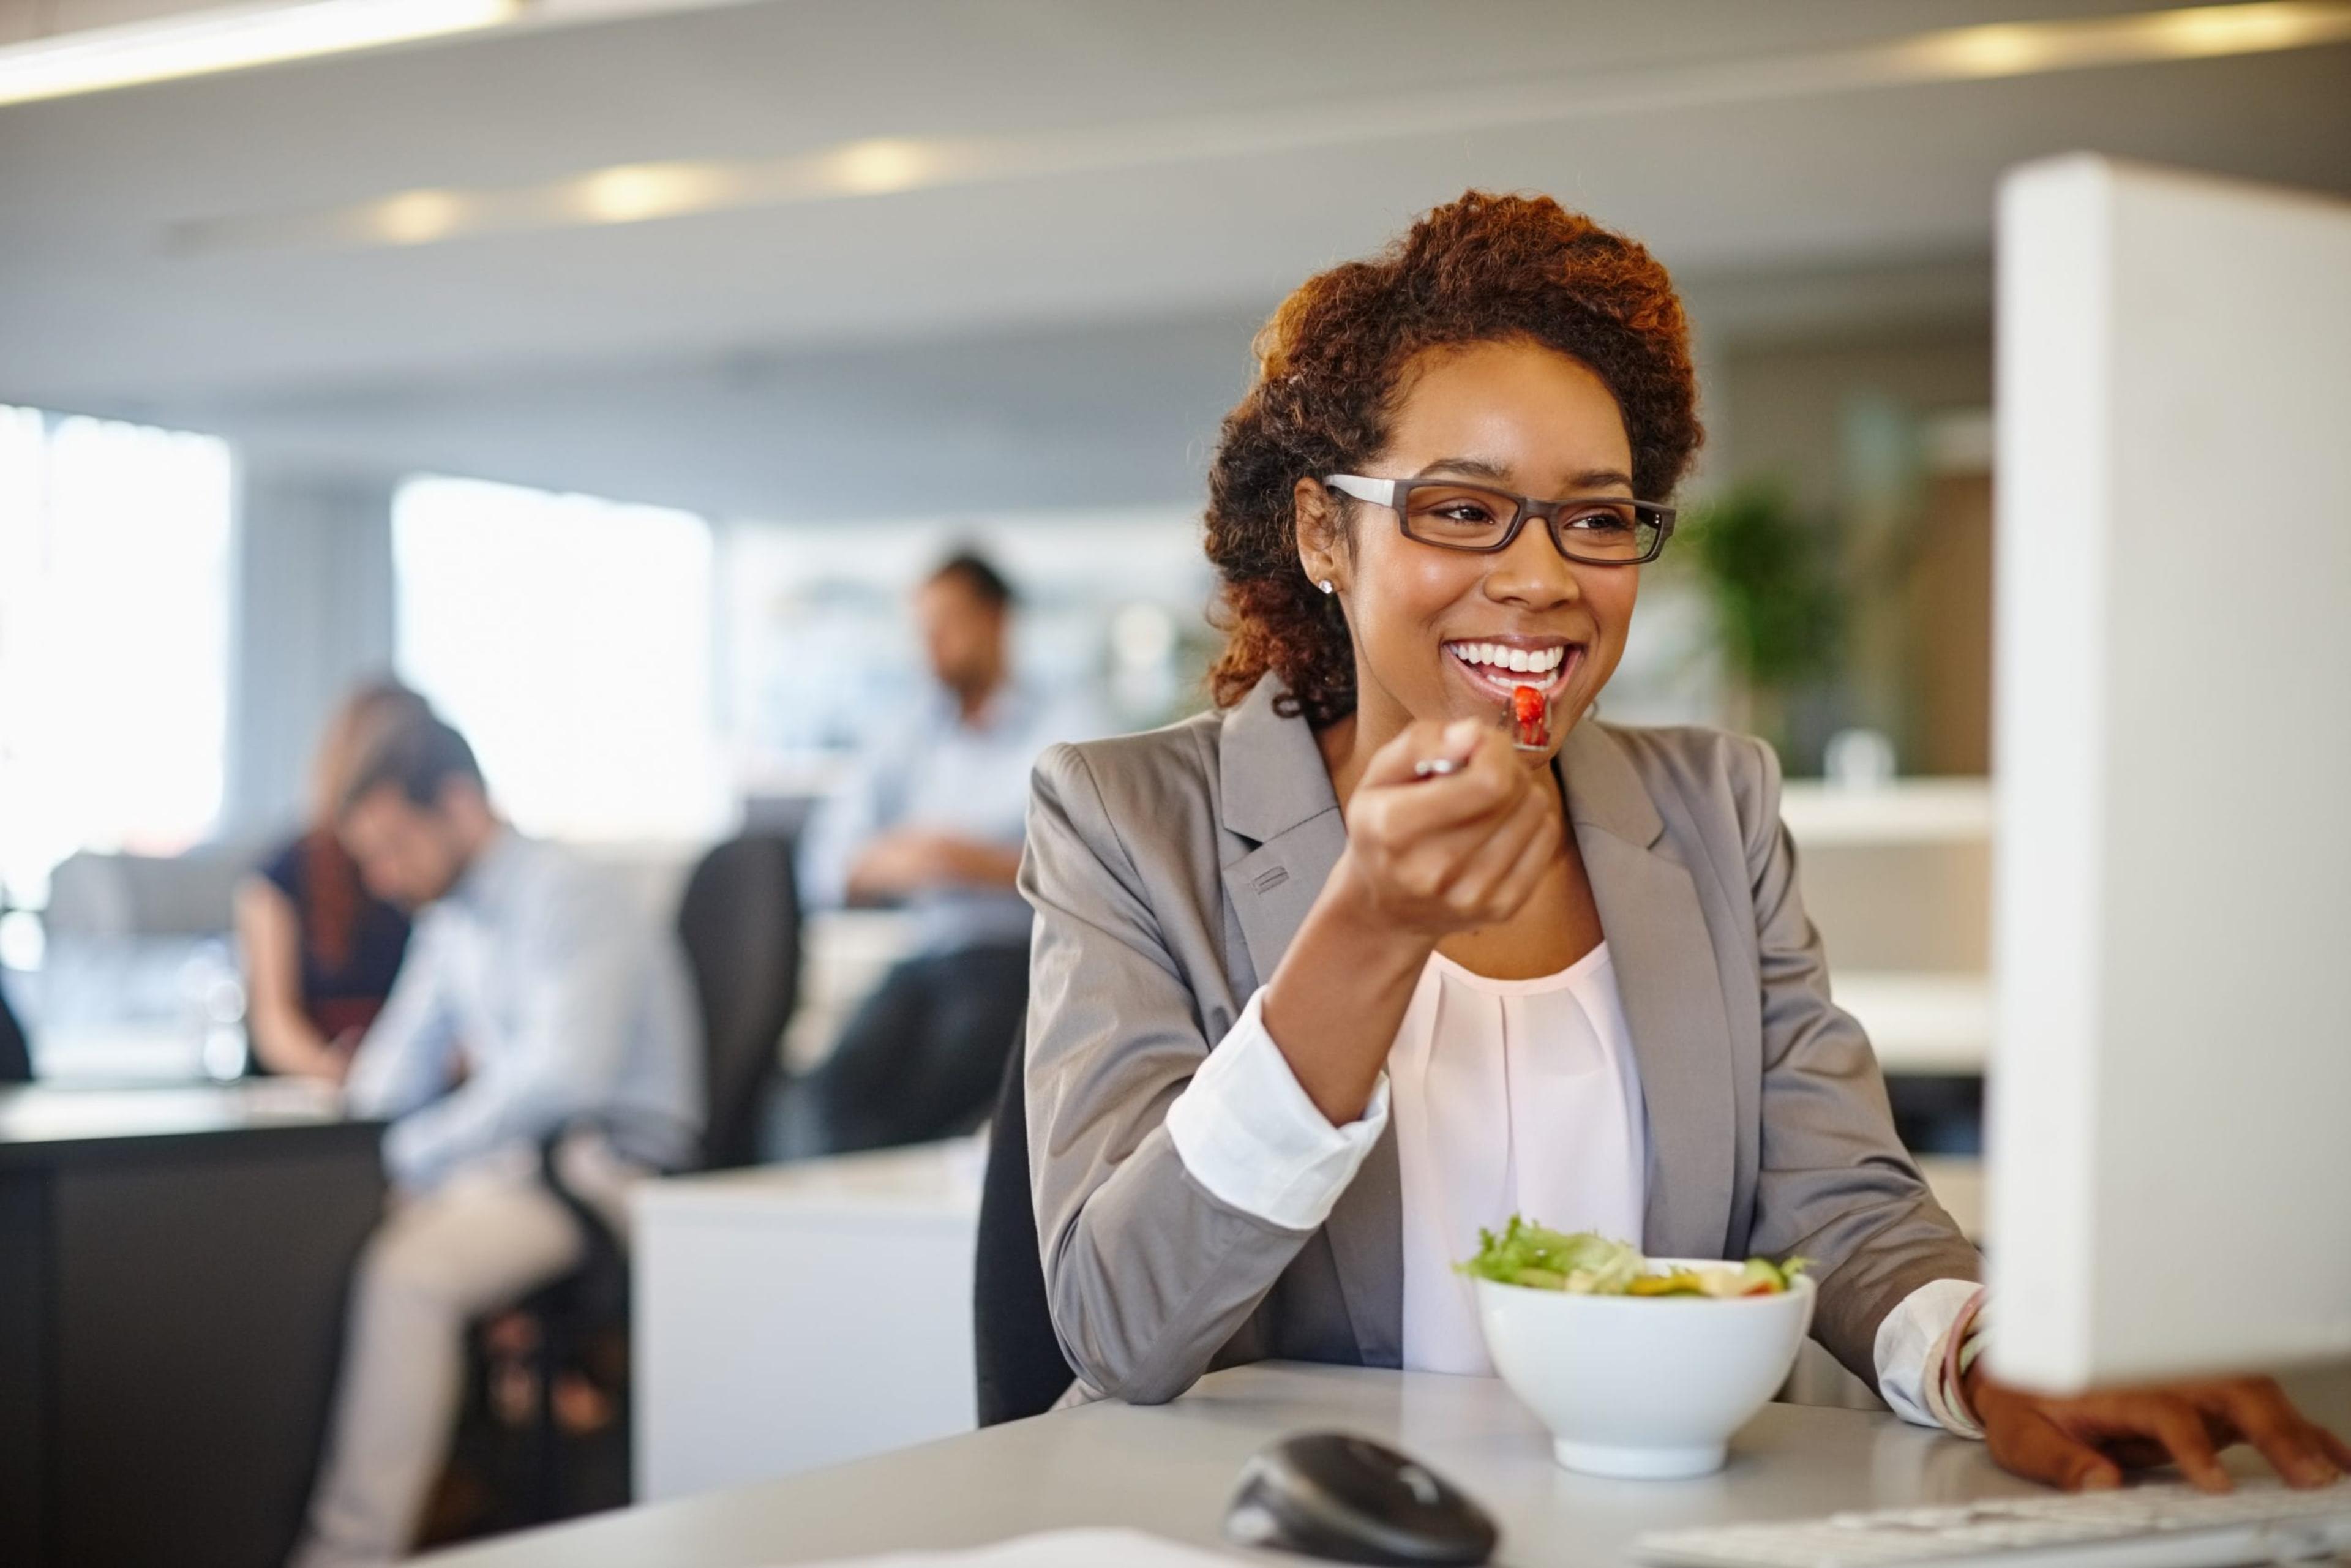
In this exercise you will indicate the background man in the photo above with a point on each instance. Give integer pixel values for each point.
(932, 819)
(537, 999)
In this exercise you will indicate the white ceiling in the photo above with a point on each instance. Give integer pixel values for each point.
(1781, 213)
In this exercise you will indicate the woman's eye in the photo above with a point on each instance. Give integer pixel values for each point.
(1464, 512)
(1603, 521)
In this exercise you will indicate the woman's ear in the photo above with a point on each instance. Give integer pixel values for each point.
(1321, 533)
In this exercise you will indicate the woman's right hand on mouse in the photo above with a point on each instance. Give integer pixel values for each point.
(1433, 856)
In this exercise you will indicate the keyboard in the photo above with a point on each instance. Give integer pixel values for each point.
(2151, 1526)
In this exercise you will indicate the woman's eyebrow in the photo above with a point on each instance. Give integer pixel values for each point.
(1580, 483)
(1478, 467)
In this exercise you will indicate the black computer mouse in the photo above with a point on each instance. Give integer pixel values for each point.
(1328, 1494)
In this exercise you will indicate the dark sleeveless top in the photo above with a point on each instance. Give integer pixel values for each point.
(350, 941)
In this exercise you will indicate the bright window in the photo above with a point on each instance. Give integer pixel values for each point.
(569, 638)
(114, 640)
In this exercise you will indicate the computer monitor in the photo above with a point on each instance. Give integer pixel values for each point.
(2170, 1083)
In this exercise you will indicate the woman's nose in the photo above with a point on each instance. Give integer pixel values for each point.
(1531, 573)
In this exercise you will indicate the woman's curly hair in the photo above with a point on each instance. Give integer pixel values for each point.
(1329, 366)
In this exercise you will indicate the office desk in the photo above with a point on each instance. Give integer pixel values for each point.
(173, 1264)
(1168, 1470)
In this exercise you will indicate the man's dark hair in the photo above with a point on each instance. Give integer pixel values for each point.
(418, 754)
(976, 573)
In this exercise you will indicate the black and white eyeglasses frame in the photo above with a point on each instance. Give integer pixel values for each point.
(1559, 517)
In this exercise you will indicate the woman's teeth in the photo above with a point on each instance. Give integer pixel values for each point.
(1518, 661)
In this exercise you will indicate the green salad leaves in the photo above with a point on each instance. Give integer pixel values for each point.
(1588, 1264)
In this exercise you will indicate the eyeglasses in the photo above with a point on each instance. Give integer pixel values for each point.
(1597, 531)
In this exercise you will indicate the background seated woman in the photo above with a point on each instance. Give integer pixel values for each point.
(319, 950)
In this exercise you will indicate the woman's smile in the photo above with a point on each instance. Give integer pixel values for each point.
(1491, 668)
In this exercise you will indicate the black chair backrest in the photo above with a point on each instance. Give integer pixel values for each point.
(739, 922)
(1021, 1369)
(16, 1055)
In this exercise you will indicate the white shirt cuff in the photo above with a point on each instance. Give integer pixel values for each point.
(1909, 1347)
(1247, 1133)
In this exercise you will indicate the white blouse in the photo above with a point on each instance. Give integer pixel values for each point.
(1509, 1097)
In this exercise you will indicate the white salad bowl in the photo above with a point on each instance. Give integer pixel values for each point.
(1644, 1387)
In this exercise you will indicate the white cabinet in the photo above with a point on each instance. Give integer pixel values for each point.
(800, 1315)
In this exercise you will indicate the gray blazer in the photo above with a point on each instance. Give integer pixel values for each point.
(1169, 872)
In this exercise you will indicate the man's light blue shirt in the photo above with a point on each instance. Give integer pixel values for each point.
(938, 771)
(563, 998)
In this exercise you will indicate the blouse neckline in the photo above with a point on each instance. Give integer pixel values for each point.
(1562, 980)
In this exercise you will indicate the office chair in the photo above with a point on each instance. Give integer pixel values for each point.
(1021, 1367)
(739, 924)
(16, 1055)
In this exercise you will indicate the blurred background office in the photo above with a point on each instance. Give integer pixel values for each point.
(615, 375)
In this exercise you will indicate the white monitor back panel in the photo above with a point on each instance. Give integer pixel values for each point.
(2170, 1119)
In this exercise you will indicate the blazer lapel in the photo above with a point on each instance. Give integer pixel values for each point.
(1275, 791)
(1272, 789)
(1664, 958)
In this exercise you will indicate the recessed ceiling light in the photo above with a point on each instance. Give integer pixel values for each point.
(228, 38)
(884, 164)
(419, 217)
(632, 193)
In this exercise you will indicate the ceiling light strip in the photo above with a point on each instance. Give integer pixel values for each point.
(228, 38)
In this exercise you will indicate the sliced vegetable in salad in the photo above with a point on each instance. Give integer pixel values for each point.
(1589, 1264)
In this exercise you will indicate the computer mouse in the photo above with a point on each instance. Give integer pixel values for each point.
(1331, 1494)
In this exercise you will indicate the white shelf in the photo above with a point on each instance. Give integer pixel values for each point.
(1906, 811)
(1920, 1022)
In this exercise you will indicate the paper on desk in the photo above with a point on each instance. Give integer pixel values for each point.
(1054, 1549)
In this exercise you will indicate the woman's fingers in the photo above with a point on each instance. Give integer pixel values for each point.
(1518, 885)
(1405, 857)
(2028, 1443)
(2180, 1427)
(2052, 1440)
(1462, 849)
(1457, 865)
(2292, 1446)
(1514, 852)
(1420, 742)
(1405, 813)
(1473, 801)
(2336, 1448)
(2136, 1453)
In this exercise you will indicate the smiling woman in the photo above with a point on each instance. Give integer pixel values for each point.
(1482, 271)
(1326, 982)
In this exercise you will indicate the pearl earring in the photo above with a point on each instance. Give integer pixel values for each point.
(1327, 587)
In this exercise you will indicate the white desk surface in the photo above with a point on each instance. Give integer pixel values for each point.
(1169, 1471)
(924, 1179)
